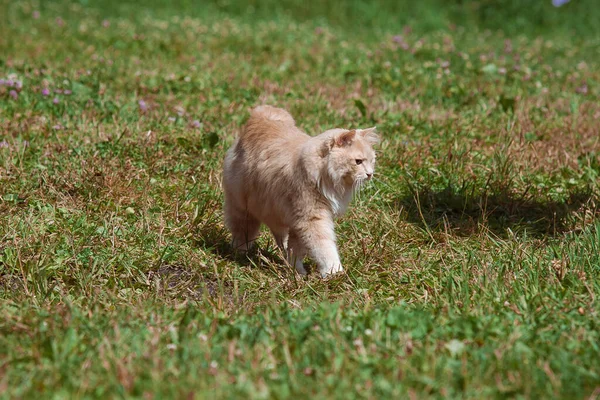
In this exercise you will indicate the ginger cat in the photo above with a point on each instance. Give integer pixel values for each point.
(295, 184)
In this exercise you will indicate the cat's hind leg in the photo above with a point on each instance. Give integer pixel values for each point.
(296, 253)
(243, 226)
(281, 238)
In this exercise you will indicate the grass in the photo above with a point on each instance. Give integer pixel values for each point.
(472, 261)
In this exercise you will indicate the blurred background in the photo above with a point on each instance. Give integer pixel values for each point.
(560, 17)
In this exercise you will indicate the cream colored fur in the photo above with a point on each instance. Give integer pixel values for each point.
(295, 184)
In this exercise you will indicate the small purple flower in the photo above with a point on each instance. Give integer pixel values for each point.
(3, 144)
(13, 94)
(57, 127)
(558, 3)
(196, 124)
(55, 100)
(18, 84)
(9, 82)
(398, 39)
(583, 89)
(143, 106)
(2, 82)
(45, 92)
(59, 91)
(35, 14)
(67, 92)
(106, 23)
(60, 21)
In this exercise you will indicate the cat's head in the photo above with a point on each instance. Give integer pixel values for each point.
(350, 156)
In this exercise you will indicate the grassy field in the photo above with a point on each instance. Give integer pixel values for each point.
(472, 261)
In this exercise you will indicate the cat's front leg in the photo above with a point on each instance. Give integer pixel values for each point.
(318, 237)
(328, 259)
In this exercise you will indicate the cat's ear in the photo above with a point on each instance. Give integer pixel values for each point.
(370, 135)
(344, 138)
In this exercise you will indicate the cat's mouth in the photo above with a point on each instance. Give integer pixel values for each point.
(365, 177)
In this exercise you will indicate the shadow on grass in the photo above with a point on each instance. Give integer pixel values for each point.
(217, 240)
(188, 282)
(462, 212)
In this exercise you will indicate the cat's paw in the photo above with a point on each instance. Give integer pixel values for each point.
(301, 270)
(299, 266)
(333, 270)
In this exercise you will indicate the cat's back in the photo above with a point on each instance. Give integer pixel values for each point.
(266, 152)
(271, 129)
(261, 173)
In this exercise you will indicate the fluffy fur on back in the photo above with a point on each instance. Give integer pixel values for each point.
(295, 184)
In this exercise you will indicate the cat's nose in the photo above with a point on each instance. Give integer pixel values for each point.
(369, 175)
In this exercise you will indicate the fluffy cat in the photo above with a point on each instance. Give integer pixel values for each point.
(295, 184)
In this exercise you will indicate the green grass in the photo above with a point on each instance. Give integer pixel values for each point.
(472, 261)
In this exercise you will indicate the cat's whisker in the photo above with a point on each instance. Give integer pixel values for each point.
(382, 182)
(360, 184)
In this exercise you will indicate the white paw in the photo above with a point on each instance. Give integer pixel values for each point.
(334, 269)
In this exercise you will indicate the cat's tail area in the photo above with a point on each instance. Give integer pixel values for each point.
(266, 120)
(272, 114)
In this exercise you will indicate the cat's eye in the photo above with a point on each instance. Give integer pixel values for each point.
(358, 162)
